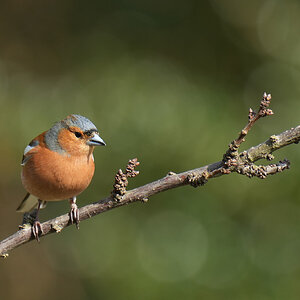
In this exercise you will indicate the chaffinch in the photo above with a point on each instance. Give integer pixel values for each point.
(59, 164)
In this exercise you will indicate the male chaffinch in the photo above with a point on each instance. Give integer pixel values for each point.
(59, 164)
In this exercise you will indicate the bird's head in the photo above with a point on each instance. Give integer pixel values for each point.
(74, 135)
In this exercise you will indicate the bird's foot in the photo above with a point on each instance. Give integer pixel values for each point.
(36, 228)
(74, 214)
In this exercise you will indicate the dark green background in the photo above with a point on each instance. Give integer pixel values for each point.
(169, 82)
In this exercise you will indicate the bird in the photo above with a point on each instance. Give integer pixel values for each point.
(58, 165)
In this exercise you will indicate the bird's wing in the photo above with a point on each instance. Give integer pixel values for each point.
(29, 203)
(29, 150)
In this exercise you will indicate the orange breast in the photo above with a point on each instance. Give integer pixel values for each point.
(52, 176)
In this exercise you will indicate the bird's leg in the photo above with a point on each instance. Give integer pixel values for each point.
(36, 227)
(74, 212)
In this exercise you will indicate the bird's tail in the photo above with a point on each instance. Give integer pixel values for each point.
(29, 203)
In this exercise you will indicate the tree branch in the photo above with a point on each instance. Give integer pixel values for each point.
(232, 162)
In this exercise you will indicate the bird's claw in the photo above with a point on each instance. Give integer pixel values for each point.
(74, 214)
(36, 228)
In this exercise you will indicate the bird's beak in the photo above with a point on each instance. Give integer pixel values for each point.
(96, 140)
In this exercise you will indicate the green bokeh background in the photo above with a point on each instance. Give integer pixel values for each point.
(169, 82)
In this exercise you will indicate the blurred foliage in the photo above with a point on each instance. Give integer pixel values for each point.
(169, 82)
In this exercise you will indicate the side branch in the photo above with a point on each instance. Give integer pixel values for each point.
(275, 142)
(193, 177)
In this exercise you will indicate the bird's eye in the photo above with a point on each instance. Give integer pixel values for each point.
(78, 134)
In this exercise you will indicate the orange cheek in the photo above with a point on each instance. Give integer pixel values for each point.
(70, 143)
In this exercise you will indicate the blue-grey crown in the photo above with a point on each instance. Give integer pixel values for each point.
(79, 121)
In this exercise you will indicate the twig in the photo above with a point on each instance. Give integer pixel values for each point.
(119, 197)
(121, 179)
(241, 163)
(232, 152)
